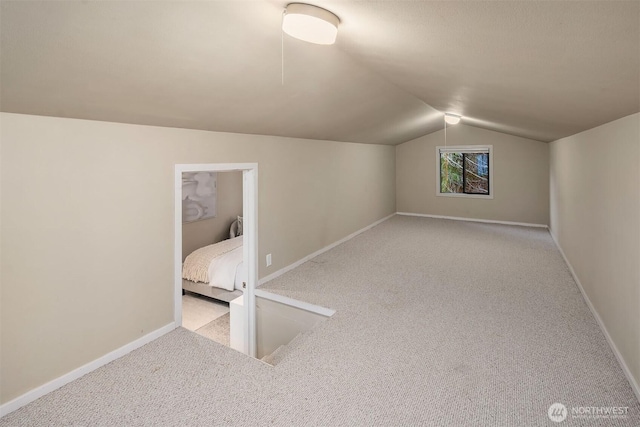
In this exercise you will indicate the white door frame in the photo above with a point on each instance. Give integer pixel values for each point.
(250, 240)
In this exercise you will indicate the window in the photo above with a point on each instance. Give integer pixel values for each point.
(464, 171)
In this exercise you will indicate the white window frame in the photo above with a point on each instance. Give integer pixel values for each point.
(465, 149)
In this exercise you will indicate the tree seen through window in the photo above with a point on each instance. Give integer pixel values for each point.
(465, 173)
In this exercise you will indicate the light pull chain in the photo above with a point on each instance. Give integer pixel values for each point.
(284, 12)
(445, 133)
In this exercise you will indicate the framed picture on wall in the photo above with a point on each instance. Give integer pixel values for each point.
(199, 194)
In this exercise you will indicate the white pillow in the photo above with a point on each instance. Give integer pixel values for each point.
(240, 229)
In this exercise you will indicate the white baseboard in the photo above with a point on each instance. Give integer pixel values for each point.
(38, 392)
(321, 251)
(614, 348)
(457, 218)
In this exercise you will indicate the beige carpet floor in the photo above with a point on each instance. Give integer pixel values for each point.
(197, 311)
(438, 323)
(218, 330)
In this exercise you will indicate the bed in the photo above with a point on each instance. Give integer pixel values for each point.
(217, 270)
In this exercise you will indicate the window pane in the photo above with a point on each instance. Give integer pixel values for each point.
(476, 173)
(451, 173)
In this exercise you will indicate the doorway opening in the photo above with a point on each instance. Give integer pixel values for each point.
(215, 272)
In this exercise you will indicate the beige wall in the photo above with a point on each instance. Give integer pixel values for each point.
(595, 216)
(87, 226)
(212, 230)
(520, 177)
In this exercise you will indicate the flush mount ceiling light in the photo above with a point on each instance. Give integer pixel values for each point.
(452, 119)
(310, 23)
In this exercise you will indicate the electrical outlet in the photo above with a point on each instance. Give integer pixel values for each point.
(268, 260)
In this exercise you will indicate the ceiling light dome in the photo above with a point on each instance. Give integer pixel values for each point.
(452, 119)
(310, 23)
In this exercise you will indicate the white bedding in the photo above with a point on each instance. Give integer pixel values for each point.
(224, 269)
(219, 265)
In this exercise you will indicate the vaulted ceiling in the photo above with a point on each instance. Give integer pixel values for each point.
(542, 70)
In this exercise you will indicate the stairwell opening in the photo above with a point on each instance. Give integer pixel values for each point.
(283, 325)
